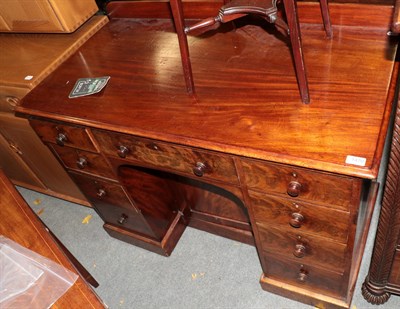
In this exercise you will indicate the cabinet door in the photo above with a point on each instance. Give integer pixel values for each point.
(37, 156)
(14, 167)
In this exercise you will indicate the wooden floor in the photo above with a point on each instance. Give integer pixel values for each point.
(247, 100)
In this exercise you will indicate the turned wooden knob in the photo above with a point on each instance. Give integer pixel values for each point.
(296, 220)
(302, 277)
(294, 188)
(82, 162)
(122, 151)
(61, 138)
(122, 219)
(101, 193)
(299, 251)
(199, 169)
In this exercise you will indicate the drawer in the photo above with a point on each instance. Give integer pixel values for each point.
(112, 203)
(182, 159)
(63, 134)
(300, 216)
(124, 218)
(101, 192)
(10, 97)
(303, 248)
(305, 276)
(84, 161)
(300, 183)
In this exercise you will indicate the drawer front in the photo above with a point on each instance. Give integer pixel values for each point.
(63, 134)
(297, 216)
(181, 159)
(83, 161)
(301, 183)
(303, 248)
(305, 276)
(100, 192)
(112, 203)
(124, 218)
(10, 97)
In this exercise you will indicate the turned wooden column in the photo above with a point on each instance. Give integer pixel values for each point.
(374, 288)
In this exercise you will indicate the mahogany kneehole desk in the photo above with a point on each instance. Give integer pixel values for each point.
(244, 158)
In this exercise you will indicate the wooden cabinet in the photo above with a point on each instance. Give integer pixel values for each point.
(243, 158)
(16, 167)
(39, 16)
(27, 59)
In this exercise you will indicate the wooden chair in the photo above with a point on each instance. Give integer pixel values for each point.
(239, 8)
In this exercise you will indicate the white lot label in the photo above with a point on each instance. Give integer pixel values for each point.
(356, 160)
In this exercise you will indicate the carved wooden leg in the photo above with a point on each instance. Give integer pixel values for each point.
(177, 13)
(295, 39)
(374, 294)
(326, 18)
(374, 288)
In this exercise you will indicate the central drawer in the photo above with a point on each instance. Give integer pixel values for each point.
(182, 159)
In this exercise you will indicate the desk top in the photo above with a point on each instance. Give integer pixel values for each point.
(247, 100)
(19, 223)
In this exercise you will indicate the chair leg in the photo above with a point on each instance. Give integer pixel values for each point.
(326, 18)
(295, 39)
(177, 13)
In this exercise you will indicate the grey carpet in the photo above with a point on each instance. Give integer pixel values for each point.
(204, 271)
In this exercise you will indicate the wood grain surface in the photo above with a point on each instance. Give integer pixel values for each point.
(247, 99)
(25, 54)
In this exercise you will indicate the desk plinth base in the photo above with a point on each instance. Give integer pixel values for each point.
(163, 247)
(305, 296)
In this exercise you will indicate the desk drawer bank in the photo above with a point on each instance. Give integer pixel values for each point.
(243, 158)
(308, 225)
